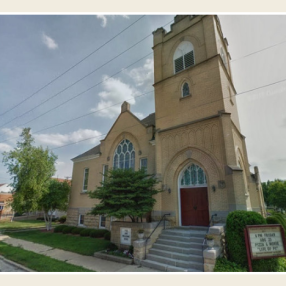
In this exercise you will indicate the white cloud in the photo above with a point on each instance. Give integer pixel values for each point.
(12, 133)
(49, 42)
(143, 75)
(5, 147)
(139, 115)
(57, 139)
(115, 92)
(103, 18)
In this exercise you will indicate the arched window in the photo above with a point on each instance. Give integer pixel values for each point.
(183, 56)
(124, 155)
(194, 175)
(185, 90)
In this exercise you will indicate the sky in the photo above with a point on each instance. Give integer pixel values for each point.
(66, 76)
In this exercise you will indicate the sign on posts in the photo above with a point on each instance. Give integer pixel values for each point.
(264, 241)
(125, 236)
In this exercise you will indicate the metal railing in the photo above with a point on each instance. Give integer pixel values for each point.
(162, 218)
(211, 220)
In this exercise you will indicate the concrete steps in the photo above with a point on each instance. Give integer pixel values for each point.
(178, 249)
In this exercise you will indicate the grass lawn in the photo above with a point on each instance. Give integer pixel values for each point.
(36, 261)
(7, 225)
(77, 244)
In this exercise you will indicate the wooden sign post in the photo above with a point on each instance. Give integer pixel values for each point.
(264, 241)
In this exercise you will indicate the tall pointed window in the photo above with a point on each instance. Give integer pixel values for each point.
(124, 156)
(183, 56)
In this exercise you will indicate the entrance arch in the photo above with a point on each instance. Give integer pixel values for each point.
(193, 196)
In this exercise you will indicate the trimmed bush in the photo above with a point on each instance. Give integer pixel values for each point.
(76, 230)
(107, 236)
(59, 228)
(68, 229)
(281, 220)
(98, 233)
(272, 220)
(111, 247)
(63, 219)
(224, 265)
(235, 224)
(85, 232)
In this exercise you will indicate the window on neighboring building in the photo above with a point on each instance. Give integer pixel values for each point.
(124, 155)
(102, 221)
(185, 90)
(104, 171)
(85, 180)
(143, 164)
(81, 219)
(183, 56)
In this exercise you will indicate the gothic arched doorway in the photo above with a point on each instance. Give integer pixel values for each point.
(193, 197)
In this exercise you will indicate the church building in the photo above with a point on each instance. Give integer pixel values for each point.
(193, 142)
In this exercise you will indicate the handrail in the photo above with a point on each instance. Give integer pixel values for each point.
(163, 217)
(208, 228)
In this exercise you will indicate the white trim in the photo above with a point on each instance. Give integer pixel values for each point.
(99, 226)
(86, 158)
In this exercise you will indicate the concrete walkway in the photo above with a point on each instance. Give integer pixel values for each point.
(88, 262)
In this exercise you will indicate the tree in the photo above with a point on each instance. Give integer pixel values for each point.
(265, 188)
(277, 194)
(56, 198)
(125, 192)
(30, 168)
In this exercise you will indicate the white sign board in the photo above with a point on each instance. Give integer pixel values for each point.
(266, 242)
(125, 236)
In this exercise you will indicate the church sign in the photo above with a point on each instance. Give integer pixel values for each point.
(264, 241)
(125, 236)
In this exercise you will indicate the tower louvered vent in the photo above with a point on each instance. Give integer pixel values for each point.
(179, 64)
(189, 59)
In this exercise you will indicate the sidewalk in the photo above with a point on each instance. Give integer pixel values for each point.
(88, 262)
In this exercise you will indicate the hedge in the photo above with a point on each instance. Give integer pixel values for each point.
(224, 265)
(235, 224)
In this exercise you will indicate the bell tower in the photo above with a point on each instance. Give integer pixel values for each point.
(192, 73)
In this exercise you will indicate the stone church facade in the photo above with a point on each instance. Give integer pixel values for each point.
(193, 142)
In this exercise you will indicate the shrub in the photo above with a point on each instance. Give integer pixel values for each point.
(131, 249)
(59, 228)
(235, 224)
(111, 247)
(85, 232)
(68, 229)
(272, 220)
(107, 236)
(63, 219)
(97, 233)
(281, 220)
(76, 230)
(224, 265)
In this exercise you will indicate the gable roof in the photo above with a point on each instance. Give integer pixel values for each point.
(147, 121)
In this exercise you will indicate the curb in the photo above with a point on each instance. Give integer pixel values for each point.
(16, 264)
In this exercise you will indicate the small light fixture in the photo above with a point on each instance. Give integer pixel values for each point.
(169, 191)
(213, 188)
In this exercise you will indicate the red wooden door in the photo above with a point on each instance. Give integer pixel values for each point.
(194, 206)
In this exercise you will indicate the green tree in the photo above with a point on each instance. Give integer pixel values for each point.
(30, 168)
(125, 192)
(56, 198)
(277, 194)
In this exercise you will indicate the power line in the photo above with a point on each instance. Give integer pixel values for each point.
(79, 81)
(76, 64)
(253, 53)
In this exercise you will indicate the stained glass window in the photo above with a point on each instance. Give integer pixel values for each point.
(124, 156)
(193, 176)
(186, 90)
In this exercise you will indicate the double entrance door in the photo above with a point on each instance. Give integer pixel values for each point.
(194, 206)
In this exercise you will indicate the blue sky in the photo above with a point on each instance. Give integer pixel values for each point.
(36, 49)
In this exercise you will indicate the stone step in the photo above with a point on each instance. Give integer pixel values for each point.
(176, 249)
(184, 233)
(166, 267)
(175, 255)
(179, 243)
(176, 262)
(187, 228)
(182, 238)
